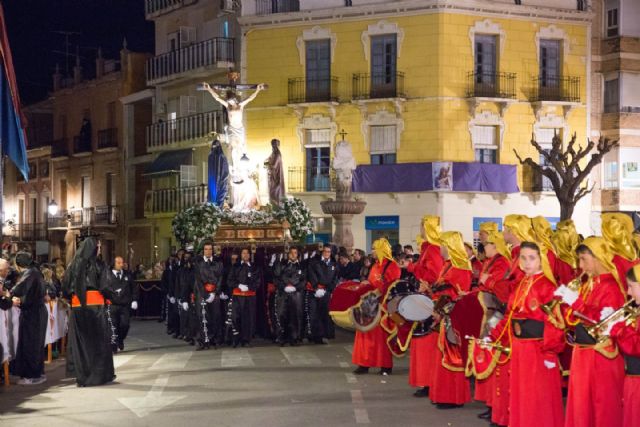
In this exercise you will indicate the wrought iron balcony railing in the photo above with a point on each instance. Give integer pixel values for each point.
(94, 216)
(60, 148)
(171, 200)
(491, 85)
(303, 90)
(164, 134)
(107, 138)
(217, 52)
(29, 232)
(268, 7)
(372, 86)
(159, 7)
(58, 221)
(302, 179)
(81, 145)
(559, 89)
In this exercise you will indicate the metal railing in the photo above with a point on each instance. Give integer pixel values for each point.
(562, 89)
(302, 179)
(268, 7)
(105, 215)
(29, 232)
(108, 138)
(60, 148)
(94, 216)
(162, 134)
(491, 85)
(371, 86)
(170, 200)
(81, 145)
(198, 55)
(313, 90)
(59, 220)
(158, 7)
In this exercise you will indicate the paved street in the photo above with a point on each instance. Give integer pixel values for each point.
(163, 382)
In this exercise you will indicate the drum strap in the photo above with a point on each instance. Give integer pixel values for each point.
(490, 264)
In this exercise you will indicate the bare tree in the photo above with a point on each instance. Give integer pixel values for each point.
(567, 168)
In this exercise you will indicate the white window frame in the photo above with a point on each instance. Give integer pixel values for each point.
(389, 130)
(188, 176)
(609, 7)
(611, 180)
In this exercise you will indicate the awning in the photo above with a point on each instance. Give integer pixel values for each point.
(168, 163)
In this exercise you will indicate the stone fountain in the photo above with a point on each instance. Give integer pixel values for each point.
(344, 207)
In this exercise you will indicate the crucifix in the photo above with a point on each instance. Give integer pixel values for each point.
(229, 96)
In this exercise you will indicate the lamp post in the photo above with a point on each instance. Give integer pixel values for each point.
(53, 208)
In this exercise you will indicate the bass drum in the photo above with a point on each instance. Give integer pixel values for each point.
(355, 306)
(465, 319)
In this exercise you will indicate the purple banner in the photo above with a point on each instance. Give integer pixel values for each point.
(408, 177)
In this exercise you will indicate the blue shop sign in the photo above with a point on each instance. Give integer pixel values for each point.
(479, 220)
(382, 222)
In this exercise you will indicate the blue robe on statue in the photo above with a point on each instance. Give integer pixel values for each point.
(218, 175)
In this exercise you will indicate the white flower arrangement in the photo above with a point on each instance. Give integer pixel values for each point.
(200, 222)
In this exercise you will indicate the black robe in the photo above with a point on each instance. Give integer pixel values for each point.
(218, 175)
(89, 359)
(33, 324)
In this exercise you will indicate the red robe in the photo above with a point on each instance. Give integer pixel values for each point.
(450, 386)
(535, 392)
(370, 348)
(623, 265)
(496, 267)
(565, 273)
(476, 268)
(503, 288)
(429, 264)
(596, 382)
(628, 340)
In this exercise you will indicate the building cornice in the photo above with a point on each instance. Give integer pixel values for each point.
(475, 8)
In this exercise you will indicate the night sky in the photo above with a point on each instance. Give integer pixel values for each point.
(32, 25)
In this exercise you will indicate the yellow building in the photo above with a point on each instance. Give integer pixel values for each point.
(417, 82)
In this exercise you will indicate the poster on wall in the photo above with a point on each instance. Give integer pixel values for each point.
(442, 173)
(630, 175)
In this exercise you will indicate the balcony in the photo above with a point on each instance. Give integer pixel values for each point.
(162, 135)
(81, 146)
(60, 149)
(316, 179)
(213, 53)
(491, 85)
(303, 90)
(59, 221)
(93, 217)
(29, 232)
(108, 139)
(376, 86)
(268, 7)
(155, 8)
(172, 200)
(556, 89)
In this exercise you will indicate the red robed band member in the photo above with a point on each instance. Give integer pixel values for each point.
(496, 267)
(617, 231)
(427, 269)
(597, 368)
(535, 340)
(370, 348)
(451, 388)
(626, 334)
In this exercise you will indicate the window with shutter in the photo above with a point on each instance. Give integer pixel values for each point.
(611, 20)
(485, 143)
(612, 96)
(188, 176)
(187, 36)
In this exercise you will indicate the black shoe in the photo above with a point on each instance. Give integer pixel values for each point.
(283, 343)
(200, 347)
(448, 406)
(386, 371)
(486, 415)
(361, 370)
(121, 345)
(318, 341)
(191, 341)
(293, 343)
(114, 348)
(246, 344)
(421, 392)
(236, 344)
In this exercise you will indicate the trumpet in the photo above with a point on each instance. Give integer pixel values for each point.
(574, 285)
(494, 345)
(627, 313)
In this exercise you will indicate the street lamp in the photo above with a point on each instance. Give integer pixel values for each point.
(53, 208)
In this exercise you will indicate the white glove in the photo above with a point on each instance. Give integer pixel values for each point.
(211, 298)
(185, 306)
(568, 296)
(172, 300)
(134, 305)
(169, 297)
(607, 331)
(281, 256)
(224, 296)
(320, 293)
(484, 343)
(606, 312)
(243, 288)
(313, 254)
(289, 289)
(306, 255)
(549, 365)
(273, 260)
